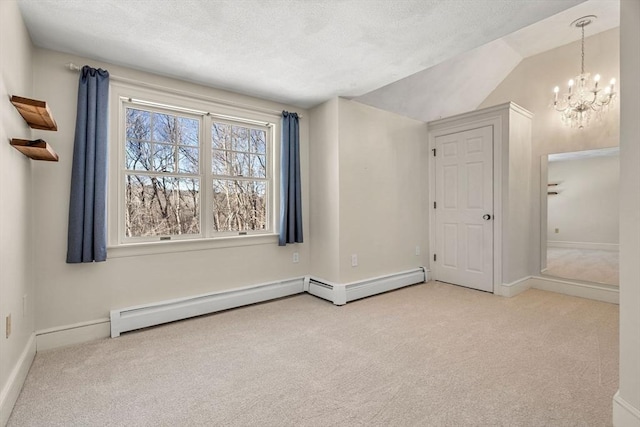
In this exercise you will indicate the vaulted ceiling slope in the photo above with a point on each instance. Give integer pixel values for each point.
(463, 82)
(294, 51)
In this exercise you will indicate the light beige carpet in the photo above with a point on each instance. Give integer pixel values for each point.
(584, 264)
(427, 355)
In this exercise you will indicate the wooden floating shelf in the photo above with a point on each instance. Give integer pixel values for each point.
(37, 150)
(35, 113)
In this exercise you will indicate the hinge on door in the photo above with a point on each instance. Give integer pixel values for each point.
(434, 205)
(435, 257)
(434, 152)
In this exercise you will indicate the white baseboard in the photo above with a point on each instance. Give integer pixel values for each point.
(11, 389)
(340, 294)
(142, 316)
(576, 289)
(131, 318)
(583, 245)
(514, 288)
(378, 285)
(63, 336)
(624, 414)
(567, 287)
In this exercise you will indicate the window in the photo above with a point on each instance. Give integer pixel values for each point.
(239, 177)
(185, 173)
(162, 174)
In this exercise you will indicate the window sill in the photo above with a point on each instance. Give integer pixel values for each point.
(172, 246)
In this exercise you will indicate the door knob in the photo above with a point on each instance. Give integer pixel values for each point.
(486, 217)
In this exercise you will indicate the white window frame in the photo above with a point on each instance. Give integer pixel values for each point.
(207, 110)
(269, 179)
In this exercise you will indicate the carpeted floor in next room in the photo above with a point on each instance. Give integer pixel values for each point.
(591, 265)
(429, 355)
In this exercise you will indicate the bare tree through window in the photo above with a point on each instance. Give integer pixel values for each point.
(162, 182)
(164, 174)
(239, 166)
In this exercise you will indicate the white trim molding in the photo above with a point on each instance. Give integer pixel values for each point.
(137, 317)
(594, 291)
(143, 316)
(11, 390)
(514, 288)
(146, 315)
(340, 294)
(381, 284)
(624, 413)
(62, 336)
(613, 247)
(605, 293)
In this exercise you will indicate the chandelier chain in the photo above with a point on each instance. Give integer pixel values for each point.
(582, 69)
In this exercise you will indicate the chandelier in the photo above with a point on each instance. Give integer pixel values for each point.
(585, 95)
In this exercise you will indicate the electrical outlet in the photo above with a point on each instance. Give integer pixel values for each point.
(417, 250)
(8, 325)
(557, 230)
(354, 260)
(296, 257)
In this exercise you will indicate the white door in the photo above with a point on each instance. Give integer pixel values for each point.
(464, 208)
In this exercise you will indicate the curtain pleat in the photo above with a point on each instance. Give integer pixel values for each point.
(87, 237)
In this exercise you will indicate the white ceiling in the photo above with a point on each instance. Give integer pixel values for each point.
(463, 82)
(294, 51)
(557, 29)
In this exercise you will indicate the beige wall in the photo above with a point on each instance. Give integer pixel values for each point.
(531, 85)
(382, 158)
(585, 210)
(516, 255)
(73, 293)
(324, 189)
(16, 254)
(368, 191)
(629, 393)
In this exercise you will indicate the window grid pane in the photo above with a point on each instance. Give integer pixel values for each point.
(238, 151)
(161, 180)
(159, 205)
(239, 205)
(161, 142)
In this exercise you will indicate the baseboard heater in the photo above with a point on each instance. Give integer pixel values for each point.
(321, 288)
(341, 294)
(143, 316)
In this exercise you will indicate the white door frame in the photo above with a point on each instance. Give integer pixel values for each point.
(461, 123)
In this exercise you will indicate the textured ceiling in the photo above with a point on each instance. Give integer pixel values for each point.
(557, 29)
(463, 82)
(454, 86)
(294, 51)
